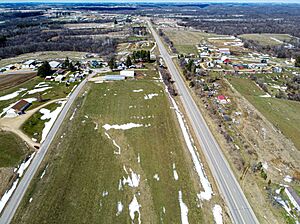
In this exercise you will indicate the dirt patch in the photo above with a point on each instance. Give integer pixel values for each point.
(11, 80)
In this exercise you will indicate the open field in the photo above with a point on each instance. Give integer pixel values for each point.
(12, 150)
(185, 41)
(267, 39)
(9, 81)
(89, 169)
(45, 55)
(283, 114)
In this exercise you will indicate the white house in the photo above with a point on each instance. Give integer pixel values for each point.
(59, 78)
(127, 73)
(54, 64)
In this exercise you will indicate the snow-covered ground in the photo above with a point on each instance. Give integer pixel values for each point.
(12, 95)
(137, 90)
(119, 208)
(20, 171)
(122, 126)
(131, 181)
(134, 207)
(183, 209)
(52, 116)
(175, 174)
(150, 96)
(38, 90)
(217, 212)
(207, 193)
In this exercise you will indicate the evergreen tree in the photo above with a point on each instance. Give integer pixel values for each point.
(44, 70)
(112, 63)
(297, 63)
(128, 61)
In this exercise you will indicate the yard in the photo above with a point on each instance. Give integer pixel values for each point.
(283, 114)
(117, 158)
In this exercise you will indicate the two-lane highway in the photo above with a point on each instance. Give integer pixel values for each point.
(241, 212)
(20, 191)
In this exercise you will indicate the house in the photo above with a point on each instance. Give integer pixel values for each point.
(21, 106)
(295, 199)
(277, 69)
(59, 78)
(114, 77)
(127, 73)
(225, 51)
(29, 64)
(223, 99)
(54, 64)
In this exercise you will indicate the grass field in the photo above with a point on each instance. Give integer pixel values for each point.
(267, 38)
(185, 41)
(12, 150)
(83, 172)
(283, 114)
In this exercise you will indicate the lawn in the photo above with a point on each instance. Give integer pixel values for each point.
(82, 179)
(283, 114)
(267, 38)
(12, 149)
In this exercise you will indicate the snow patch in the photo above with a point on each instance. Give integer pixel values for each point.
(122, 126)
(8, 194)
(12, 95)
(150, 96)
(156, 177)
(132, 181)
(24, 165)
(138, 158)
(104, 193)
(73, 114)
(183, 209)
(137, 90)
(217, 212)
(175, 174)
(207, 193)
(119, 208)
(52, 116)
(134, 207)
(38, 90)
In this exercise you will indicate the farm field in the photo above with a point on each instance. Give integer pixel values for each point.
(9, 81)
(283, 114)
(267, 39)
(44, 55)
(119, 158)
(185, 41)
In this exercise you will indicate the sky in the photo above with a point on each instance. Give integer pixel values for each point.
(177, 1)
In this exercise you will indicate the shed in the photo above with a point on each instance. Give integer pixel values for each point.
(21, 106)
(54, 64)
(114, 77)
(127, 73)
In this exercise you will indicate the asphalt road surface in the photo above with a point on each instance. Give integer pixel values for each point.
(13, 203)
(241, 212)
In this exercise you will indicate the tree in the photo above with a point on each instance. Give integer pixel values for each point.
(44, 70)
(112, 63)
(66, 63)
(297, 62)
(128, 61)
